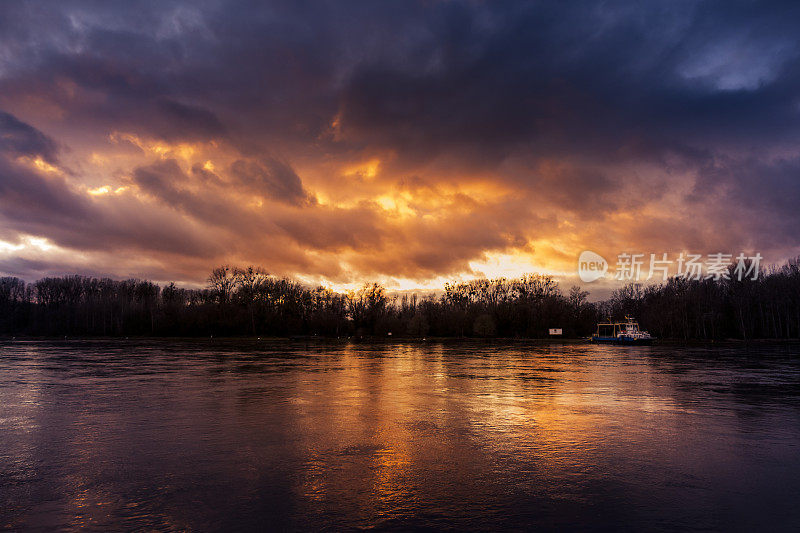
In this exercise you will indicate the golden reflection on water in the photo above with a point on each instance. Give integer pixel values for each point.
(390, 413)
(397, 406)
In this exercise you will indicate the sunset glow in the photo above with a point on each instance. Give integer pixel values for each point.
(185, 140)
(415, 265)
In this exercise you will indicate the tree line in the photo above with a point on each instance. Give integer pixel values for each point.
(249, 301)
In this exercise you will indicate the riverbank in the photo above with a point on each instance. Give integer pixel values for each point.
(392, 340)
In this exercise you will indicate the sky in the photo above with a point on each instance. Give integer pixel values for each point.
(408, 143)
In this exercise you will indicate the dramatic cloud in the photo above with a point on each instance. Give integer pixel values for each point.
(404, 142)
(272, 177)
(20, 139)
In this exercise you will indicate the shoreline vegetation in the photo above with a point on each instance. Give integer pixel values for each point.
(255, 342)
(249, 303)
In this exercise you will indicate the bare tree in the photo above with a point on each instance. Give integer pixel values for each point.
(222, 281)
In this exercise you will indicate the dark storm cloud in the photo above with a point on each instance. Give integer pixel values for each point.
(201, 121)
(272, 178)
(29, 198)
(26, 195)
(434, 76)
(604, 82)
(166, 182)
(20, 139)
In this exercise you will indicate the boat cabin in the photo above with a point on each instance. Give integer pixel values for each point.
(612, 329)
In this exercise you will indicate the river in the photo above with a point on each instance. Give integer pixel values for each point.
(232, 435)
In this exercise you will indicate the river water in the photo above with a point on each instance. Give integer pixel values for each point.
(232, 435)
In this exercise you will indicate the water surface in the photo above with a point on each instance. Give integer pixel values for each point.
(224, 435)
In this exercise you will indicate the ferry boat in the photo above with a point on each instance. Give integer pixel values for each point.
(627, 332)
